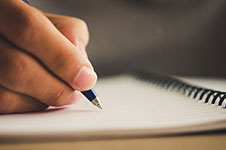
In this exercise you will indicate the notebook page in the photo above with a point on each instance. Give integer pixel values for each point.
(131, 107)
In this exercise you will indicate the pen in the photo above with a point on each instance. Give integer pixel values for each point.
(89, 94)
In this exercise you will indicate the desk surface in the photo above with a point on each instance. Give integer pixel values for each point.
(201, 142)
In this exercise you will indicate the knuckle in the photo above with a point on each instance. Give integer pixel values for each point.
(84, 26)
(27, 28)
(79, 27)
(57, 97)
(16, 69)
(82, 23)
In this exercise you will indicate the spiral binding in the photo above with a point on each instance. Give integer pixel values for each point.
(207, 95)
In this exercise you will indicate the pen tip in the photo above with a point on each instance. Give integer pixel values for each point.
(99, 106)
(97, 103)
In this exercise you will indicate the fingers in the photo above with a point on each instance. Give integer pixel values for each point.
(11, 102)
(21, 73)
(73, 29)
(38, 36)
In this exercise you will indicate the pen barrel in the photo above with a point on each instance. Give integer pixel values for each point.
(89, 94)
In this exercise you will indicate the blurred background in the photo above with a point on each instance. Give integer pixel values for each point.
(180, 37)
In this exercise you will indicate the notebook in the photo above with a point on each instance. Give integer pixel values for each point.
(135, 105)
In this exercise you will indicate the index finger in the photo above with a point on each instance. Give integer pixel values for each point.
(30, 30)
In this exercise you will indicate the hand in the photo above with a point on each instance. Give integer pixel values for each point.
(43, 61)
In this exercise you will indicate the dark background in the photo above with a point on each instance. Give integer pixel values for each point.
(181, 37)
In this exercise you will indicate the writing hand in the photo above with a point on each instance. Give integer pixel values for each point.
(42, 59)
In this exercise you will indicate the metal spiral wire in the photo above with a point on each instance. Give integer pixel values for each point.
(196, 92)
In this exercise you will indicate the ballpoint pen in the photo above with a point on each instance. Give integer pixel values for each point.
(89, 94)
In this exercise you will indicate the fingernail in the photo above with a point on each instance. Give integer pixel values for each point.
(85, 79)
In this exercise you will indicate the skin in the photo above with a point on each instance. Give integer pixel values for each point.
(43, 61)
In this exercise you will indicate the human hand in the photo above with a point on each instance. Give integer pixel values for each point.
(42, 59)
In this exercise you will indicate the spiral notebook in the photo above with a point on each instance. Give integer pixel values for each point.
(136, 105)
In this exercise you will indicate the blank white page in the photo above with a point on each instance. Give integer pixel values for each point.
(131, 108)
